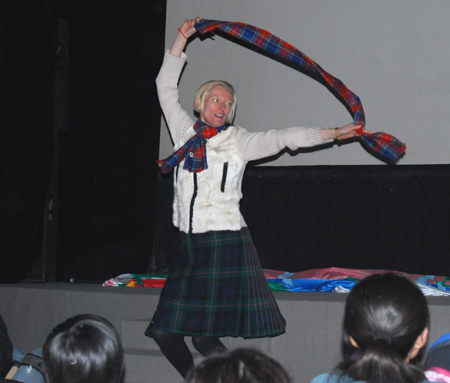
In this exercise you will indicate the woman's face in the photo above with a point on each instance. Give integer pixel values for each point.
(216, 107)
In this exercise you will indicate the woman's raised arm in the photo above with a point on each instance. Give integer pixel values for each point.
(186, 31)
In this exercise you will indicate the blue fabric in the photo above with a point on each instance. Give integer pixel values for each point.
(30, 374)
(17, 355)
(439, 353)
(324, 285)
(332, 378)
(443, 338)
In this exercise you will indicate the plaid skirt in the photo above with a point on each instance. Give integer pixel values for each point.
(217, 288)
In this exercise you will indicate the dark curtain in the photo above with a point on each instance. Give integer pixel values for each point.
(26, 136)
(78, 185)
(107, 156)
(361, 217)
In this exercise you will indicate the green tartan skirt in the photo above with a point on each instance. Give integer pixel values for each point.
(217, 287)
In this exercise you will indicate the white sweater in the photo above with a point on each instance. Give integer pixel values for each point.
(215, 205)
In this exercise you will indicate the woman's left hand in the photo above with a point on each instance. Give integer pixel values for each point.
(344, 132)
(351, 130)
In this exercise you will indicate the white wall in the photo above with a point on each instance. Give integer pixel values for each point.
(394, 54)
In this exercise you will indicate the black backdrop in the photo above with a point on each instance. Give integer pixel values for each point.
(107, 169)
(88, 164)
(26, 149)
(361, 217)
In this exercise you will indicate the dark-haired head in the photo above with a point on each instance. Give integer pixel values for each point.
(385, 327)
(84, 348)
(243, 365)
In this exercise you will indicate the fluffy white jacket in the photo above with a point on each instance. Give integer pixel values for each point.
(216, 204)
(215, 200)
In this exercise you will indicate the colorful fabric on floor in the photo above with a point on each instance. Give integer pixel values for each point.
(137, 280)
(333, 279)
(343, 280)
(381, 143)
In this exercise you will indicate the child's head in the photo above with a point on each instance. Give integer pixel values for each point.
(385, 327)
(84, 348)
(244, 365)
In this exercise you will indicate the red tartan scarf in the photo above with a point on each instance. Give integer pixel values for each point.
(383, 144)
(194, 150)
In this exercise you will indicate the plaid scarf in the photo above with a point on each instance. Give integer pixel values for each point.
(194, 150)
(382, 143)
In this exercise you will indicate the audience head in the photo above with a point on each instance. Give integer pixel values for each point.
(243, 365)
(85, 348)
(384, 330)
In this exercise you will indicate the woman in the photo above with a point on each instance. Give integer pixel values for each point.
(216, 286)
(385, 328)
(84, 348)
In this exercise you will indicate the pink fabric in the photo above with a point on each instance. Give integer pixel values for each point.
(437, 374)
(333, 273)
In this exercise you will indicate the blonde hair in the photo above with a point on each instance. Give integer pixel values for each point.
(204, 90)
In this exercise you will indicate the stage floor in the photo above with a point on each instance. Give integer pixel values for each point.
(309, 347)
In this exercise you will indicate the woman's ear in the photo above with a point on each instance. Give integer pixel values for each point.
(418, 344)
(198, 105)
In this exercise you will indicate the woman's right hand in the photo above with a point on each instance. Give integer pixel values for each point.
(186, 31)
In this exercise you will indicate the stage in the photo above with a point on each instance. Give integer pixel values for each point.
(309, 347)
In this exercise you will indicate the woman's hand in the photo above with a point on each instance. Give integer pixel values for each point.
(187, 29)
(344, 132)
(184, 32)
(350, 130)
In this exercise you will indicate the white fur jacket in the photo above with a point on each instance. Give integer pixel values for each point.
(209, 200)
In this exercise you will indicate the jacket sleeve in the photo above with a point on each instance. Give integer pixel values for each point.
(178, 120)
(256, 145)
